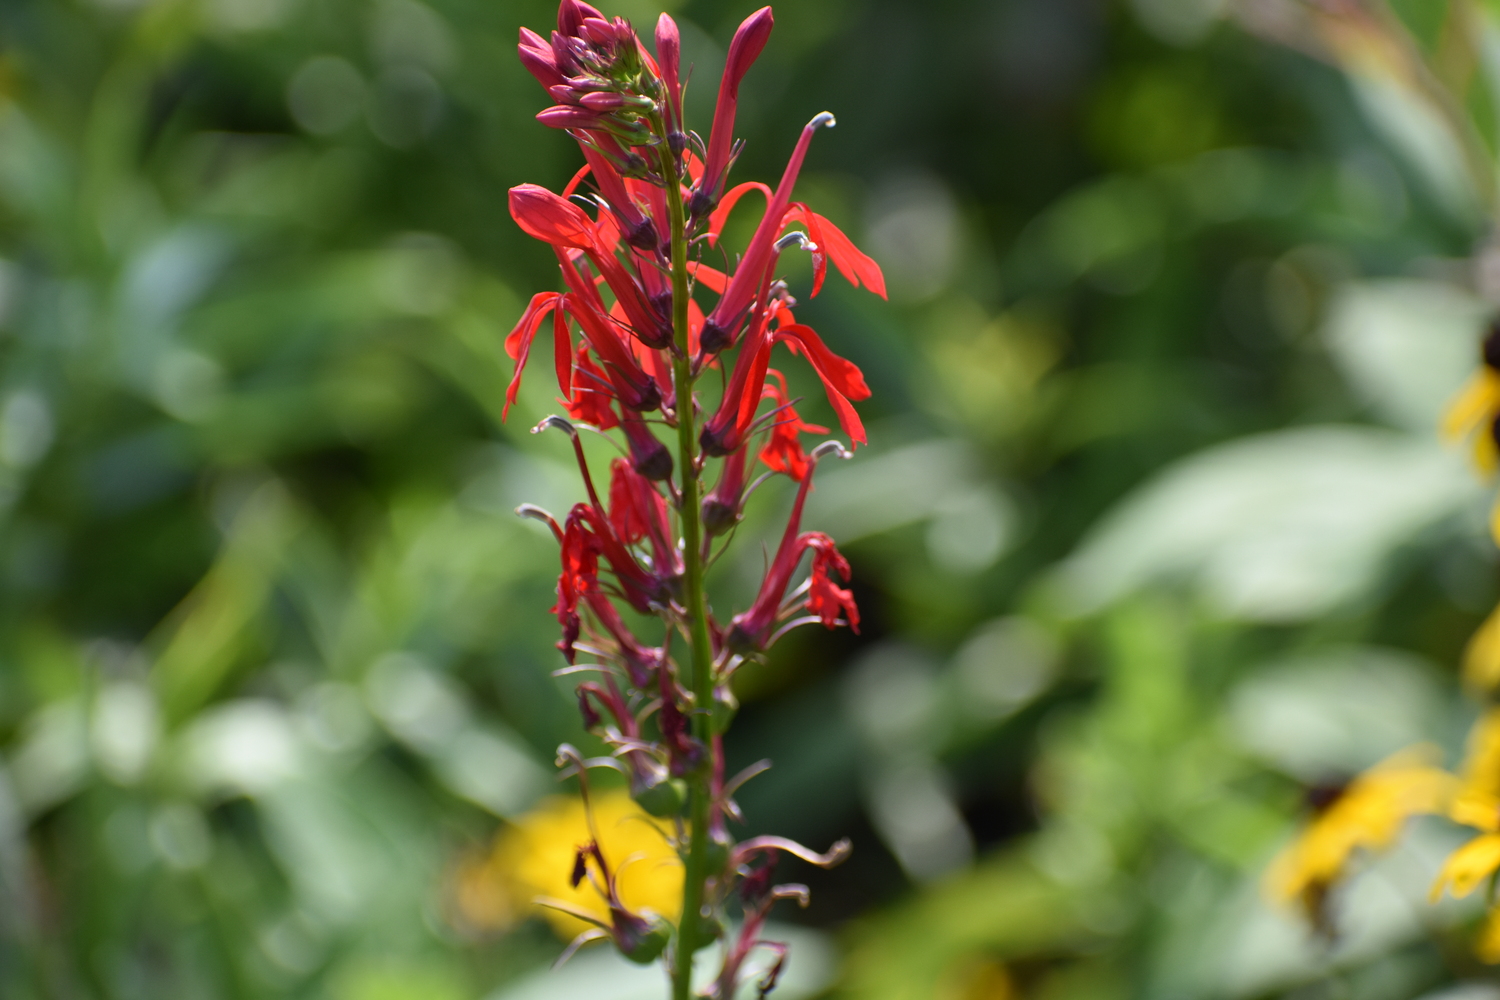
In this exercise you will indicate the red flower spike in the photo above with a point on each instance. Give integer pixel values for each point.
(749, 40)
(841, 378)
(518, 342)
(728, 314)
(783, 450)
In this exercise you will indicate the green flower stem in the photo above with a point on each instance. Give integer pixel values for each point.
(696, 873)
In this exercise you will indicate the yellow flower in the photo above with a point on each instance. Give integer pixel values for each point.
(1367, 815)
(1482, 655)
(1487, 942)
(535, 856)
(1474, 412)
(1477, 804)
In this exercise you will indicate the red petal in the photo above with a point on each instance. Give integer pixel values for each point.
(550, 218)
(562, 350)
(842, 379)
(518, 342)
(726, 205)
(856, 266)
(583, 172)
(716, 281)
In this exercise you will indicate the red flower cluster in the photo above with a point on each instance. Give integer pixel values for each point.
(652, 181)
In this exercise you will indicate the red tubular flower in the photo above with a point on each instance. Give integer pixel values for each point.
(749, 40)
(637, 511)
(721, 508)
(580, 574)
(632, 386)
(639, 230)
(536, 55)
(648, 456)
(842, 380)
(518, 344)
(557, 221)
(572, 13)
(641, 662)
(669, 52)
(592, 394)
(723, 323)
(825, 598)
(783, 450)
(751, 630)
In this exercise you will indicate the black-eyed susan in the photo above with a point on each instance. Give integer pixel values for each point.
(1477, 805)
(1366, 815)
(1475, 412)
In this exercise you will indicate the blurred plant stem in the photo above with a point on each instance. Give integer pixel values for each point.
(693, 597)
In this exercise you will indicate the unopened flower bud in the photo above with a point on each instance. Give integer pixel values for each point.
(648, 455)
(640, 939)
(607, 101)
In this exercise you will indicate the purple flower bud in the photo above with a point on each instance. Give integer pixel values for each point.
(572, 13)
(537, 56)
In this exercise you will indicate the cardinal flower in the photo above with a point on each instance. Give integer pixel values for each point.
(752, 630)
(749, 39)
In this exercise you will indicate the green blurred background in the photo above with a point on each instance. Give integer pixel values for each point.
(1155, 530)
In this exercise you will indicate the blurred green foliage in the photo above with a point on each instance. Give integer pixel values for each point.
(1155, 529)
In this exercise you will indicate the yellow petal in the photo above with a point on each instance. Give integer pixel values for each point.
(536, 855)
(1468, 866)
(1481, 772)
(1485, 454)
(1482, 655)
(1477, 809)
(1487, 941)
(1475, 403)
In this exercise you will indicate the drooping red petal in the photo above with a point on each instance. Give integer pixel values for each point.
(783, 449)
(842, 379)
(577, 179)
(713, 280)
(731, 197)
(824, 597)
(562, 350)
(625, 513)
(518, 342)
(550, 218)
(857, 267)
